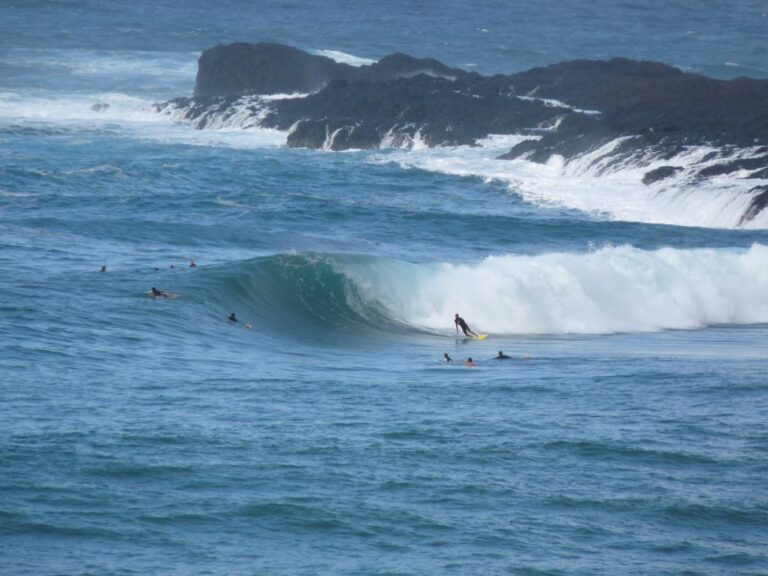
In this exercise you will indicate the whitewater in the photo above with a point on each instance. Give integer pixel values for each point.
(324, 432)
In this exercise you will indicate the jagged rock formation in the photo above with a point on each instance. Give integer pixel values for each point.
(651, 111)
(240, 69)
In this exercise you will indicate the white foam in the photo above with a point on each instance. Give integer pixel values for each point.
(235, 138)
(138, 118)
(552, 103)
(268, 97)
(610, 290)
(604, 183)
(344, 58)
(98, 107)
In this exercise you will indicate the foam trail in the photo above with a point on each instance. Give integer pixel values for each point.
(591, 183)
(614, 289)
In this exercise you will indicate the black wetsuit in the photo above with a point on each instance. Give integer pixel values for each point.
(463, 325)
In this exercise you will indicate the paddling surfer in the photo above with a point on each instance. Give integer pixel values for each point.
(155, 293)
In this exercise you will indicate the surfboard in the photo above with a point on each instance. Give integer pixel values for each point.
(480, 337)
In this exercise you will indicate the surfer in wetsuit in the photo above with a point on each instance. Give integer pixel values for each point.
(460, 322)
(232, 318)
(502, 356)
(155, 293)
(447, 358)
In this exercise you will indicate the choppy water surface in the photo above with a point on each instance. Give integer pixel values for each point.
(627, 434)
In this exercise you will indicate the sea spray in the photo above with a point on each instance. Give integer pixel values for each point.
(606, 183)
(613, 289)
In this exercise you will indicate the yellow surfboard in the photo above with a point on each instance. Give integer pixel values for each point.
(480, 337)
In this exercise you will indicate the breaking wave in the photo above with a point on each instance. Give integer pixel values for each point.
(47, 106)
(139, 117)
(608, 183)
(610, 290)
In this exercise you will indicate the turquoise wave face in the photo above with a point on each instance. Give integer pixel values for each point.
(611, 290)
(298, 294)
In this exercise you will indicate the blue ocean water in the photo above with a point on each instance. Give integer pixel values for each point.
(628, 434)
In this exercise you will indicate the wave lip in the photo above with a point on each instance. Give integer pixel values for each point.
(614, 289)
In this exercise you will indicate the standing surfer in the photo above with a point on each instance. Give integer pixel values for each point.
(460, 322)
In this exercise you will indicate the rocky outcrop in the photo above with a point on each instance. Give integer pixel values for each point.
(660, 174)
(239, 69)
(758, 204)
(587, 101)
(644, 113)
(436, 110)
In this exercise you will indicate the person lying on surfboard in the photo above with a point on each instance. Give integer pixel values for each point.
(155, 293)
(502, 356)
(233, 318)
(459, 322)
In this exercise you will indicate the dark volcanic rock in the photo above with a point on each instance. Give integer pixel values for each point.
(239, 69)
(404, 66)
(660, 174)
(758, 204)
(754, 163)
(636, 97)
(603, 99)
(621, 112)
(438, 109)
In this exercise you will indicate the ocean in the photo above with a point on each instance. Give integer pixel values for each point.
(627, 434)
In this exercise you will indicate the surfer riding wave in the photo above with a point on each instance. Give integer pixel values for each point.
(461, 323)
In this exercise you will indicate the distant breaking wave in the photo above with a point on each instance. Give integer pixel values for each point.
(610, 290)
(344, 58)
(136, 116)
(608, 183)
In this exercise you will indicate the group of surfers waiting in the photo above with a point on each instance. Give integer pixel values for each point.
(471, 363)
(459, 322)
